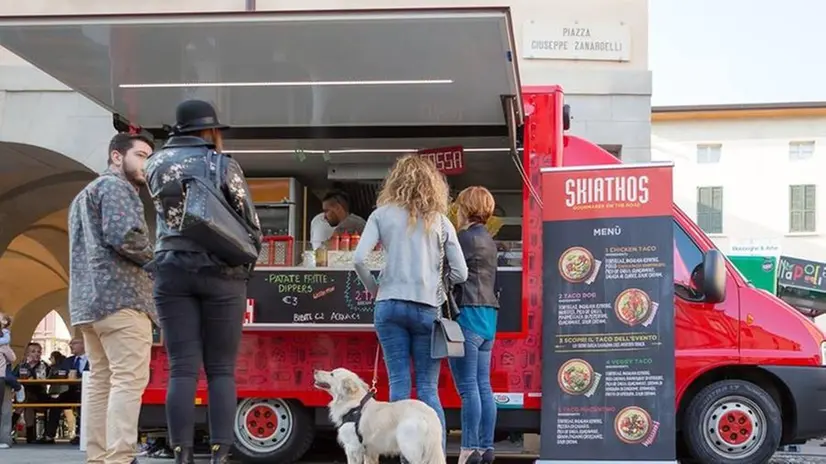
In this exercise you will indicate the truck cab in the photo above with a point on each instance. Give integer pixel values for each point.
(742, 353)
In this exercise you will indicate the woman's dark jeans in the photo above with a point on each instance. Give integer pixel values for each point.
(201, 316)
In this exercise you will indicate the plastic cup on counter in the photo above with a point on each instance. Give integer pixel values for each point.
(309, 258)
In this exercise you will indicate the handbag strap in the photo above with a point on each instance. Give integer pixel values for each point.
(375, 381)
(442, 287)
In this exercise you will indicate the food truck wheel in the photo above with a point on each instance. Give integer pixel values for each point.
(272, 430)
(728, 422)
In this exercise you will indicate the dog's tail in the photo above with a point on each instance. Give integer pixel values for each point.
(434, 454)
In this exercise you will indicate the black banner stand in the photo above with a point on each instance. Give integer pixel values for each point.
(608, 379)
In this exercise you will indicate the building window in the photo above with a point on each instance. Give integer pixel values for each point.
(801, 150)
(710, 209)
(802, 209)
(709, 154)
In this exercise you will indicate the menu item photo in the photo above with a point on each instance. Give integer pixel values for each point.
(633, 307)
(577, 265)
(577, 377)
(634, 425)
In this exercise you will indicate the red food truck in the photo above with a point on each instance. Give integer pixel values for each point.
(325, 96)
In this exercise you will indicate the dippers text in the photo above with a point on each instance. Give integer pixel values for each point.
(584, 191)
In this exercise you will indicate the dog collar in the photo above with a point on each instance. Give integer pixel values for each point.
(354, 415)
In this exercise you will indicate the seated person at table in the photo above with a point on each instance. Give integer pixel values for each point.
(68, 368)
(336, 206)
(32, 367)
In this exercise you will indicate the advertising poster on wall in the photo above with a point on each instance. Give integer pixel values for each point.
(608, 349)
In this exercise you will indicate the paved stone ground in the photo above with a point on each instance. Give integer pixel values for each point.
(64, 454)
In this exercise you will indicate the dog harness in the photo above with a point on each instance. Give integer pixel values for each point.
(354, 415)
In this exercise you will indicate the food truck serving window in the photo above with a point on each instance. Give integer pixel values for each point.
(313, 98)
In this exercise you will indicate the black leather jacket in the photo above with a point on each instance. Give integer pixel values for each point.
(481, 256)
(185, 156)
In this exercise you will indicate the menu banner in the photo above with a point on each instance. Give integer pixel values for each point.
(608, 333)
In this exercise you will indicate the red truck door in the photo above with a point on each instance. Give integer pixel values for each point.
(707, 334)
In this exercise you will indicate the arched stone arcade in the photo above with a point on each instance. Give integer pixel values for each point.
(36, 187)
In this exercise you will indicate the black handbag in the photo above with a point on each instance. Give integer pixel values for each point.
(210, 221)
(446, 339)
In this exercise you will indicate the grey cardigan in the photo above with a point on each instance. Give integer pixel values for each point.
(411, 270)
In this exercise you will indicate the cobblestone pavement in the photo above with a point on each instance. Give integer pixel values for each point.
(64, 454)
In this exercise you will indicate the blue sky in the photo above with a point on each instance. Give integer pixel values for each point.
(737, 51)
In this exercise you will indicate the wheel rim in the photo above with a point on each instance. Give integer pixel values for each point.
(263, 425)
(735, 427)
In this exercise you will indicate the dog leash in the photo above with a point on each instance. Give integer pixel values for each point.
(376, 368)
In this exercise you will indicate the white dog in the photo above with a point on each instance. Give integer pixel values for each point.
(368, 428)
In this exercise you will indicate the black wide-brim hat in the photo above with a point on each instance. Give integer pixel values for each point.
(195, 116)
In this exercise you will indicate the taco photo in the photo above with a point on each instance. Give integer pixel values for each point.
(632, 425)
(575, 376)
(633, 306)
(576, 264)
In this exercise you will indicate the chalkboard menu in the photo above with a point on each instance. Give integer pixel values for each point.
(337, 296)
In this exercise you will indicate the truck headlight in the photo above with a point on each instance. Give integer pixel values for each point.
(823, 353)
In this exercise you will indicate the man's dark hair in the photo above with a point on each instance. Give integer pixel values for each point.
(339, 197)
(31, 344)
(124, 142)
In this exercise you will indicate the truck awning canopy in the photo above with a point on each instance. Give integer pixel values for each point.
(297, 74)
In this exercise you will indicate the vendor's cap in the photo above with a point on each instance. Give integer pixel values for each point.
(194, 116)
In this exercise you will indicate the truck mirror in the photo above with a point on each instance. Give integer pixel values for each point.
(566, 117)
(713, 284)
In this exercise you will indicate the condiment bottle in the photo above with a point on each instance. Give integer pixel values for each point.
(321, 257)
(344, 242)
(332, 244)
(354, 241)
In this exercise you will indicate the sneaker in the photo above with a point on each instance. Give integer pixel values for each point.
(4, 446)
(20, 395)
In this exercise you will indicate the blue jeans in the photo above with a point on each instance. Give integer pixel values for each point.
(404, 329)
(471, 374)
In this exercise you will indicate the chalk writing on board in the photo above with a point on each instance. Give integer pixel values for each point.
(356, 295)
(308, 317)
(301, 283)
(345, 317)
(323, 292)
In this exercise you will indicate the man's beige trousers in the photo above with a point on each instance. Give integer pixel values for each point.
(118, 348)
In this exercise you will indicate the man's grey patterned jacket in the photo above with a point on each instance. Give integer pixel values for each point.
(109, 245)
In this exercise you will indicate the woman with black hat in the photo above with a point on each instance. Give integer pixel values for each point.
(200, 298)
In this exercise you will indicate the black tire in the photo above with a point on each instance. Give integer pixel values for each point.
(743, 404)
(289, 447)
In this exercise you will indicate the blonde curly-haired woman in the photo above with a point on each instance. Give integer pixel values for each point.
(411, 224)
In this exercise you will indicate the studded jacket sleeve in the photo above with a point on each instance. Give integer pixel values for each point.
(238, 195)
